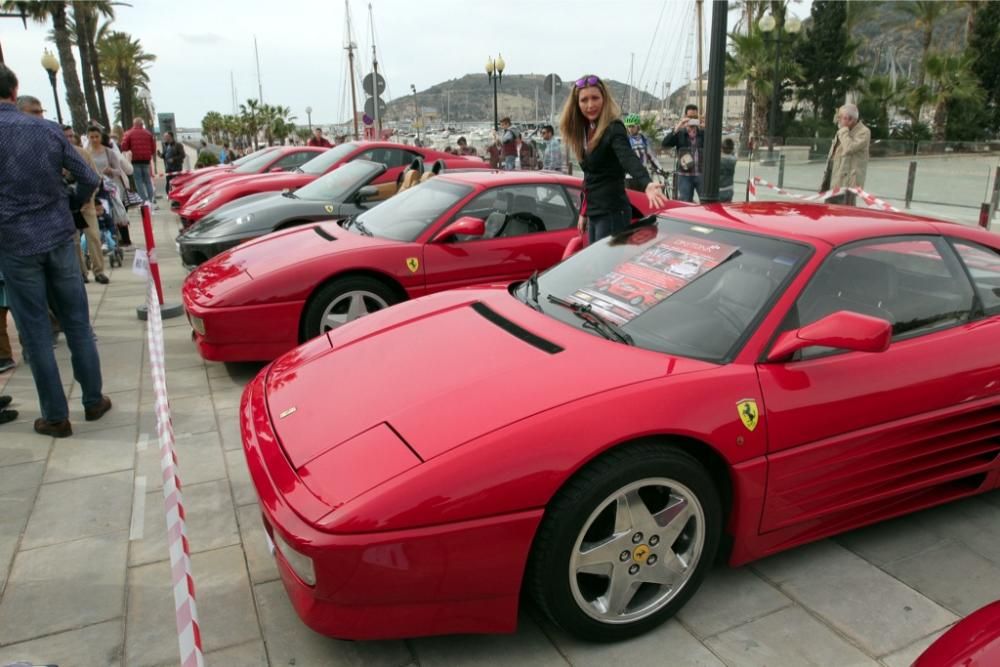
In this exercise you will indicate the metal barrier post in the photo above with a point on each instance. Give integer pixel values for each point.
(781, 170)
(166, 311)
(995, 200)
(911, 178)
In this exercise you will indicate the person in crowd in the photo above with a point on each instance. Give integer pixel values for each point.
(493, 155)
(38, 259)
(142, 144)
(552, 158)
(464, 148)
(727, 170)
(528, 153)
(593, 130)
(508, 143)
(225, 156)
(173, 156)
(688, 138)
(6, 351)
(640, 146)
(92, 232)
(30, 105)
(317, 139)
(847, 163)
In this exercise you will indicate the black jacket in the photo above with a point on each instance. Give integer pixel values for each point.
(173, 156)
(682, 142)
(604, 172)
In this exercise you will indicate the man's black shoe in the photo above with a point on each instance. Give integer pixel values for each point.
(5, 401)
(7, 416)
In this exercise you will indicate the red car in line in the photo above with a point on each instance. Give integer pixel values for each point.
(824, 368)
(264, 297)
(972, 642)
(395, 156)
(281, 159)
(185, 177)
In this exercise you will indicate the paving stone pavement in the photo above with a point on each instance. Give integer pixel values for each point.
(84, 574)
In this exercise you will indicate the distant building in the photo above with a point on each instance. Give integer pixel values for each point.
(735, 97)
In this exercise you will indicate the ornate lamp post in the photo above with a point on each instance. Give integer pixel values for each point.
(494, 72)
(416, 112)
(768, 25)
(51, 65)
(309, 115)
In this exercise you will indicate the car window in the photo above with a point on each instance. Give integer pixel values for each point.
(984, 267)
(390, 157)
(576, 196)
(257, 161)
(915, 284)
(405, 216)
(292, 161)
(521, 209)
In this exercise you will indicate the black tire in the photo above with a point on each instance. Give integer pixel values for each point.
(336, 289)
(549, 575)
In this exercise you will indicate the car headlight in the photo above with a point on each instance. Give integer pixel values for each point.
(198, 324)
(301, 564)
(245, 219)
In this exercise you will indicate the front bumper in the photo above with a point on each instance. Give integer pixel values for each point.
(196, 253)
(456, 578)
(245, 333)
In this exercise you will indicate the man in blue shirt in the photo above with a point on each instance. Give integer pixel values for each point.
(38, 256)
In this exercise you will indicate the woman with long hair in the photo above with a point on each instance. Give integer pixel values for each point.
(591, 126)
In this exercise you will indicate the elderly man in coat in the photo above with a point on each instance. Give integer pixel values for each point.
(847, 163)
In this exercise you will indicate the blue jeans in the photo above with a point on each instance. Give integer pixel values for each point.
(33, 283)
(143, 181)
(606, 224)
(687, 186)
(510, 162)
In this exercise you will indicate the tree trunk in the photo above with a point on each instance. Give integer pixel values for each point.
(747, 116)
(95, 63)
(74, 96)
(80, 13)
(940, 119)
(760, 118)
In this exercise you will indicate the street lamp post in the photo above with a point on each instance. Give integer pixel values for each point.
(768, 25)
(494, 72)
(416, 111)
(309, 115)
(51, 65)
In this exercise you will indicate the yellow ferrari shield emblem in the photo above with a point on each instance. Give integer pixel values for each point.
(640, 554)
(748, 413)
(329, 208)
(412, 263)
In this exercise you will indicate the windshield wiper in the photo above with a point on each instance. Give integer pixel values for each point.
(355, 222)
(289, 194)
(531, 292)
(592, 320)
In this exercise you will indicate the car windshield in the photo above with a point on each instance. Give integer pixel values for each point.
(253, 156)
(339, 183)
(674, 287)
(256, 163)
(322, 162)
(408, 214)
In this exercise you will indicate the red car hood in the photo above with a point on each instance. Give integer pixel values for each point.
(445, 372)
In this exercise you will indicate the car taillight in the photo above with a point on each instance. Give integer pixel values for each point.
(301, 564)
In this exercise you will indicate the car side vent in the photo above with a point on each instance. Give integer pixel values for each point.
(515, 330)
(325, 234)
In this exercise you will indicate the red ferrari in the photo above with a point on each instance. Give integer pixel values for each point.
(266, 296)
(820, 369)
(185, 177)
(395, 156)
(280, 159)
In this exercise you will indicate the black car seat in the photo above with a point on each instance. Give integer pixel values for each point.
(739, 295)
(858, 284)
(411, 175)
(436, 169)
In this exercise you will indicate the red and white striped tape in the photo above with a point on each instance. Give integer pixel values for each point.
(186, 611)
(869, 199)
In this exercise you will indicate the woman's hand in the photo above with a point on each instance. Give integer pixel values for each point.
(654, 192)
(581, 224)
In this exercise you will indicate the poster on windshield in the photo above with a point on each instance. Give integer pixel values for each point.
(638, 284)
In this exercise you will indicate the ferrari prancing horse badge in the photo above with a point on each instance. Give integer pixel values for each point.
(748, 413)
(412, 263)
(329, 208)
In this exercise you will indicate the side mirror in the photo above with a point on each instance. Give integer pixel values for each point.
(366, 192)
(466, 226)
(843, 330)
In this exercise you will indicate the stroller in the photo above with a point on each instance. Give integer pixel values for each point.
(106, 204)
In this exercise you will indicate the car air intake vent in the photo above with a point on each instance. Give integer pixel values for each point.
(325, 234)
(515, 330)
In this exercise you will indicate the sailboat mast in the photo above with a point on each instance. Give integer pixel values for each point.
(350, 61)
(260, 88)
(699, 4)
(375, 90)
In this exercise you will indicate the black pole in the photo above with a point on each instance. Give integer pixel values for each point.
(776, 93)
(496, 110)
(716, 101)
(55, 94)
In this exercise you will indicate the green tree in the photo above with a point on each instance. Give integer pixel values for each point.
(123, 66)
(824, 58)
(951, 80)
(984, 45)
(751, 59)
(85, 16)
(877, 100)
(250, 113)
(213, 126)
(926, 13)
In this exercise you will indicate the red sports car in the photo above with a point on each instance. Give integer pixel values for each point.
(265, 296)
(280, 159)
(822, 369)
(395, 156)
(185, 177)
(972, 642)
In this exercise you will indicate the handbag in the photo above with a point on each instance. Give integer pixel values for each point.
(827, 177)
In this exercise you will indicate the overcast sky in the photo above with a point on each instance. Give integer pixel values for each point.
(302, 59)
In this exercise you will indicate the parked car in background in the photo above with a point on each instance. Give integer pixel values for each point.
(185, 177)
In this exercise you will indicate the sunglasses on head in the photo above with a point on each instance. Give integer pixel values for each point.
(587, 81)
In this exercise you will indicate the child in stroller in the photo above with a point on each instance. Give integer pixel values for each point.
(110, 241)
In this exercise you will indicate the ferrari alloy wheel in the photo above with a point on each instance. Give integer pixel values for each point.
(343, 301)
(626, 543)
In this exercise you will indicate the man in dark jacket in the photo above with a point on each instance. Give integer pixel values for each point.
(508, 144)
(173, 156)
(142, 143)
(38, 256)
(688, 138)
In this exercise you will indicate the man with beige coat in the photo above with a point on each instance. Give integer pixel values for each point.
(847, 163)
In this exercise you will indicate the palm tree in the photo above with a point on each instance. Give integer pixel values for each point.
(123, 66)
(282, 124)
(212, 126)
(41, 12)
(250, 114)
(746, 63)
(951, 78)
(926, 13)
(85, 27)
(880, 97)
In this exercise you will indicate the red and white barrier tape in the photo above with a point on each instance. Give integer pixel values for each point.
(869, 199)
(186, 611)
